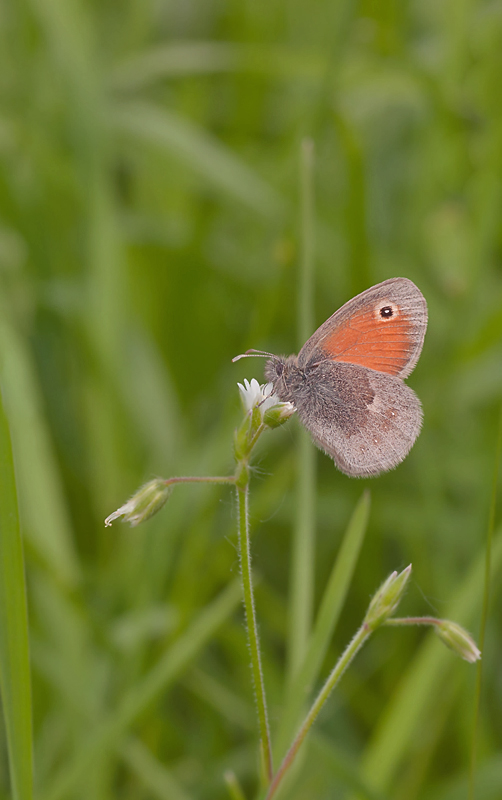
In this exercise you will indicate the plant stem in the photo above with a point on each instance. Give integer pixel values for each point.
(256, 437)
(413, 621)
(343, 662)
(252, 628)
(210, 479)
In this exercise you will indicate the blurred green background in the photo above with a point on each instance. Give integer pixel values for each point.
(150, 230)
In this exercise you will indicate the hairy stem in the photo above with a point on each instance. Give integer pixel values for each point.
(413, 621)
(343, 662)
(210, 479)
(252, 628)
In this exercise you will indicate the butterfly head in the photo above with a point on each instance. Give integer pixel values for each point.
(281, 372)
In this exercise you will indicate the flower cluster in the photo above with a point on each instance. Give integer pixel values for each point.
(262, 400)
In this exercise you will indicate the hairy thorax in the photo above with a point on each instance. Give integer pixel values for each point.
(323, 388)
(285, 376)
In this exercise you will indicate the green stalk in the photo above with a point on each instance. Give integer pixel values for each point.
(306, 277)
(400, 621)
(302, 558)
(486, 603)
(15, 681)
(194, 479)
(252, 627)
(343, 662)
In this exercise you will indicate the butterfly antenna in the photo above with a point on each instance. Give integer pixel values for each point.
(252, 353)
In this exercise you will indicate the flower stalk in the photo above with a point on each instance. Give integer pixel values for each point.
(263, 410)
(451, 634)
(252, 629)
(343, 662)
(151, 497)
(384, 602)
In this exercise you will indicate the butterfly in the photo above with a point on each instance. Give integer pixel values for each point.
(347, 384)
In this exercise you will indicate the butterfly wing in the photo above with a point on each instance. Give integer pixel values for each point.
(383, 329)
(366, 420)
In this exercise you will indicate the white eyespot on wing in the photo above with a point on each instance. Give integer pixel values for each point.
(386, 310)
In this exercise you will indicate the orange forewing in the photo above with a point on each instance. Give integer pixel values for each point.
(370, 341)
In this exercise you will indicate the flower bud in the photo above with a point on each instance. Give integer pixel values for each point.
(387, 598)
(264, 405)
(278, 414)
(457, 639)
(144, 504)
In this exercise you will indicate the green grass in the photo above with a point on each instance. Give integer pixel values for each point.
(14, 648)
(151, 229)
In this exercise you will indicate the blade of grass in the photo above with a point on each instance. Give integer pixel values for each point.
(160, 677)
(43, 509)
(234, 788)
(303, 553)
(178, 59)
(327, 619)
(151, 401)
(486, 603)
(14, 651)
(152, 774)
(69, 40)
(488, 783)
(342, 766)
(200, 151)
(229, 705)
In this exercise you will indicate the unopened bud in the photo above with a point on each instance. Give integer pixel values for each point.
(387, 598)
(457, 639)
(278, 414)
(144, 504)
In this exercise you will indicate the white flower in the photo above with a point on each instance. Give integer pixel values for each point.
(264, 398)
(252, 395)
